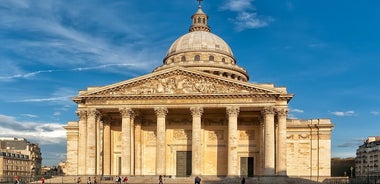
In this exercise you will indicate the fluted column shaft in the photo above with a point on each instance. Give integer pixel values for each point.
(99, 142)
(161, 140)
(82, 114)
(138, 147)
(132, 144)
(91, 142)
(233, 113)
(107, 147)
(269, 163)
(196, 140)
(126, 114)
(281, 145)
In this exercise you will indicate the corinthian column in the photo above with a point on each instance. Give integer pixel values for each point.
(233, 113)
(126, 114)
(99, 142)
(82, 114)
(196, 140)
(91, 142)
(281, 145)
(161, 143)
(268, 114)
(107, 147)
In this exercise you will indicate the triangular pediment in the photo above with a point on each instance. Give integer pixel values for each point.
(179, 81)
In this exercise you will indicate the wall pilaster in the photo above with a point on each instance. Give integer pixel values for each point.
(196, 148)
(161, 113)
(233, 113)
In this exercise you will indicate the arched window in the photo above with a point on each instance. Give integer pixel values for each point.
(199, 20)
(183, 58)
(204, 21)
(194, 21)
(197, 58)
(211, 58)
(223, 60)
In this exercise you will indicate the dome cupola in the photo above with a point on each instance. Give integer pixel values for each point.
(202, 50)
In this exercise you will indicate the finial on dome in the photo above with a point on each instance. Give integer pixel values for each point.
(200, 20)
(199, 3)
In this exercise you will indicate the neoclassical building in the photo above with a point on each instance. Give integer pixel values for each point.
(197, 114)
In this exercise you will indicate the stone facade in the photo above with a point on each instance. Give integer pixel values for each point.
(194, 115)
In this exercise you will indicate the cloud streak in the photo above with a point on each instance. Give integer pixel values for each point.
(246, 15)
(79, 69)
(343, 113)
(55, 35)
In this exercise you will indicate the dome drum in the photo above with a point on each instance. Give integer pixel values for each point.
(204, 51)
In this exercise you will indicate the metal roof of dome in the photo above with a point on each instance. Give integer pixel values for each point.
(199, 41)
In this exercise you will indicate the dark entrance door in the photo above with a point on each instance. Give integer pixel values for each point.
(246, 166)
(183, 167)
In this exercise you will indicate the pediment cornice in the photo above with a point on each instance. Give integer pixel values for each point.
(177, 82)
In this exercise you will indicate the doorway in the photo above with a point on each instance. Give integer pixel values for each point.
(246, 166)
(183, 165)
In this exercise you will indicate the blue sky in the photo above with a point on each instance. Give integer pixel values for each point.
(325, 52)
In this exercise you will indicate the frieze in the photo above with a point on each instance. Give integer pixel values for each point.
(169, 100)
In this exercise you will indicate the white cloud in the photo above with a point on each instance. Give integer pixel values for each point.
(344, 113)
(30, 115)
(238, 5)
(247, 17)
(375, 113)
(297, 110)
(36, 132)
(55, 37)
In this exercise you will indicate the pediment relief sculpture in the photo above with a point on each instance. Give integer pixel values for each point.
(179, 84)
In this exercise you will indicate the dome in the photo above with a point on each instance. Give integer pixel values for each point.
(203, 51)
(199, 41)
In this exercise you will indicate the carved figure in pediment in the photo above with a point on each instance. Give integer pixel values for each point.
(177, 84)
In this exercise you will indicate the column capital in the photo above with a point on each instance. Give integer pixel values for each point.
(268, 110)
(196, 111)
(93, 113)
(161, 111)
(82, 114)
(232, 110)
(126, 112)
(282, 111)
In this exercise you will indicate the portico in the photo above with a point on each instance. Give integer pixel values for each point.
(195, 115)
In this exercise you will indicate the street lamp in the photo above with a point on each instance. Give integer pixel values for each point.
(351, 168)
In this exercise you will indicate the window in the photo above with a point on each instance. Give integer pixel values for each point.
(183, 58)
(211, 58)
(197, 58)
